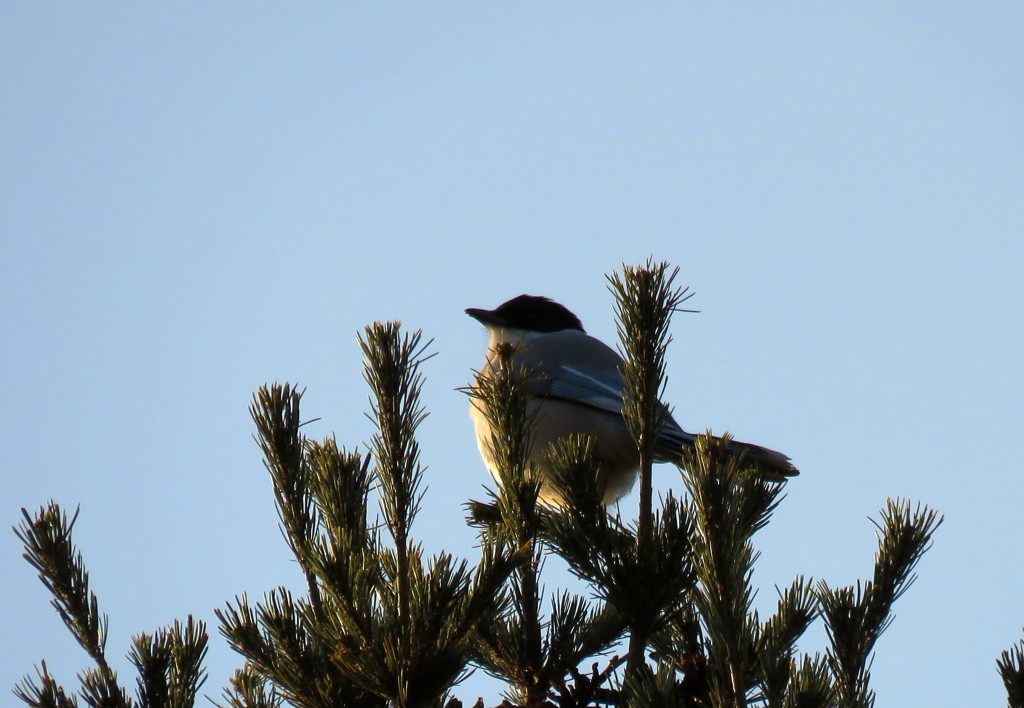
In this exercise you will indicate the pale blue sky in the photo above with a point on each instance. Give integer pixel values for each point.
(199, 198)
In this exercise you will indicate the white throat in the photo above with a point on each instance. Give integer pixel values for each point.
(502, 335)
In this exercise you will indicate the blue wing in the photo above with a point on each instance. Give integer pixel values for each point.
(574, 367)
(601, 389)
(598, 389)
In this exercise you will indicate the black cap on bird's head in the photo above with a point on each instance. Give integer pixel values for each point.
(531, 313)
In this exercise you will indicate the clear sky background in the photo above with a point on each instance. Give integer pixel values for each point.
(199, 198)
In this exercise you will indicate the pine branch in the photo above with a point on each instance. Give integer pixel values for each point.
(48, 548)
(275, 411)
(590, 689)
(347, 557)
(644, 689)
(391, 370)
(170, 664)
(249, 689)
(340, 483)
(501, 394)
(188, 650)
(97, 690)
(1011, 670)
(382, 624)
(280, 640)
(534, 654)
(604, 552)
(644, 302)
(729, 504)
(855, 616)
(512, 645)
(777, 638)
(809, 686)
(45, 694)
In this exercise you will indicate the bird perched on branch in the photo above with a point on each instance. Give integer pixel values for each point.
(577, 388)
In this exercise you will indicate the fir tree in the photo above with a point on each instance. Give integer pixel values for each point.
(381, 624)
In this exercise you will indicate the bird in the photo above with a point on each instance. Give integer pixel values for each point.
(577, 388)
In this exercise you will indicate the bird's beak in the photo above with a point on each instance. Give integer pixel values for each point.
(484, 317)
